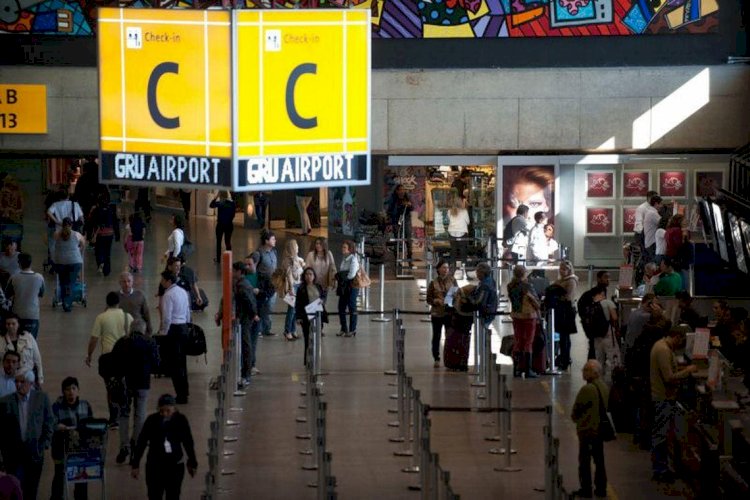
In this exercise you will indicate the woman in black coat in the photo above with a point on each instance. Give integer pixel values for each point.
(308, 292)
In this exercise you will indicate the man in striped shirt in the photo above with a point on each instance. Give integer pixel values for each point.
(175, 311)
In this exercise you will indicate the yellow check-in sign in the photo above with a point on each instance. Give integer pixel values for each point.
(23, 109)
(246, 99)
(165, 96)
(303, 100)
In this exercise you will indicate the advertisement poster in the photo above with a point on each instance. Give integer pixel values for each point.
(413, 179)
(600, 221)
(600, 184)
(672, 183)
(635, 183)
(628, 219)
(533, 186)
(707, 183)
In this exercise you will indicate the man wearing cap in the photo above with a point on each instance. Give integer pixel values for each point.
(169, 438)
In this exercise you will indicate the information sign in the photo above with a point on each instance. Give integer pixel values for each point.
(23, 109)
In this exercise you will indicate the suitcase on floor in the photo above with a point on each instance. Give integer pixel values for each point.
(456, 349)
(161, 356)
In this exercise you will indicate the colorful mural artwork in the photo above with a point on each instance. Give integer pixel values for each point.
(415, 18)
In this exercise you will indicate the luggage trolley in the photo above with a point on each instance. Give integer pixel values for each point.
(77, 289)
(85, 454)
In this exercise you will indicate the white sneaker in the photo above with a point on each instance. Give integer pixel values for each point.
(254, 371)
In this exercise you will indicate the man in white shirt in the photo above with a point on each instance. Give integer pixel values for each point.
(175, 316)
(538, 244)
(650, 224)
(520, 230)
(640, 212)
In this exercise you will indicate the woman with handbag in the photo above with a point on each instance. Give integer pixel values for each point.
(293, 265)
(565, 319)
(525, 314)
(106, 230)
(345, 289)
(321, 260)
(309, 291)
(439, 317)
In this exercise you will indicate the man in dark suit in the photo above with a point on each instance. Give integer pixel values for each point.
(27, 426)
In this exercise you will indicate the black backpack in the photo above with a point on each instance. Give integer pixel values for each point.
(195, 344)
(594, 321)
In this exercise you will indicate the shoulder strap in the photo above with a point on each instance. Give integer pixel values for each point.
(602, 408)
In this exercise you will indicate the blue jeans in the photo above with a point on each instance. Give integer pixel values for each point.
(289, 325)
(68, 276)
(664, 413)
(348, 300)
(265, 314)
(137, 398)
(29, 325)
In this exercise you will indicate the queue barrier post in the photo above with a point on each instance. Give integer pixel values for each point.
(399, 396)
(502, 381)
(478, 351)
(428, 319)
(551, 342)
(312, 408)
(416, 413)
(381, 285)
(507, 437)
(394, 353)
(495, 386)
(405, 420)
(318, 340)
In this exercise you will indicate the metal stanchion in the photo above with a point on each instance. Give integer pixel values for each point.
(502, 382)
(399, 396)
(396, 328)
(317, 335)
(320, 447)
(494, 385)
(485, 373)
(507, 437)
(550, 464)
(366, 291)
(478, 352)
(382, 318)
(551, 333)
(312, 424)
(405, 420)
(416, 415)
(691, 280)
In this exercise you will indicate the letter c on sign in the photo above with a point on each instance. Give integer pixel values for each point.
(291, 83)
(153, 106)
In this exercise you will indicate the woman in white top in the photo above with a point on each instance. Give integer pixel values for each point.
(344, 289)
(68, 259)
(458, 227)
(176, 237)
(321, 260)
(661, 241)
(293, 266)
(25, 345)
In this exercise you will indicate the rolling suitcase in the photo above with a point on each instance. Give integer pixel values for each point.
(456, 349)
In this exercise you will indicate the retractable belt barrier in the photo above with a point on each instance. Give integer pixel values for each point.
(228, 380)
(315, 417)
(413, 422)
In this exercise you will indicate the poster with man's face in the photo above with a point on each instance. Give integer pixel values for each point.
(533, 186)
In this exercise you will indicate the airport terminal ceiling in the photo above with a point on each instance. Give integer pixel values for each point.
(449, 33)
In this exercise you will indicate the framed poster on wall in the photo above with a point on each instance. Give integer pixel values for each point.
(600, 221)
(635, 183)
(708, 182)
(628, 219)
(600, 184)
(530, 185)
(672, 183)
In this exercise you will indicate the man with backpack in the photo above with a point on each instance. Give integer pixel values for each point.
(266, 260)
(599, 321)
(516, 234)
(602, 281)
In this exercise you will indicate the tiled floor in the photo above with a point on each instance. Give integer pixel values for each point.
(266, 462)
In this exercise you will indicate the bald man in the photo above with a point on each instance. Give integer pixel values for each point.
(134, 301)
(587, 415)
